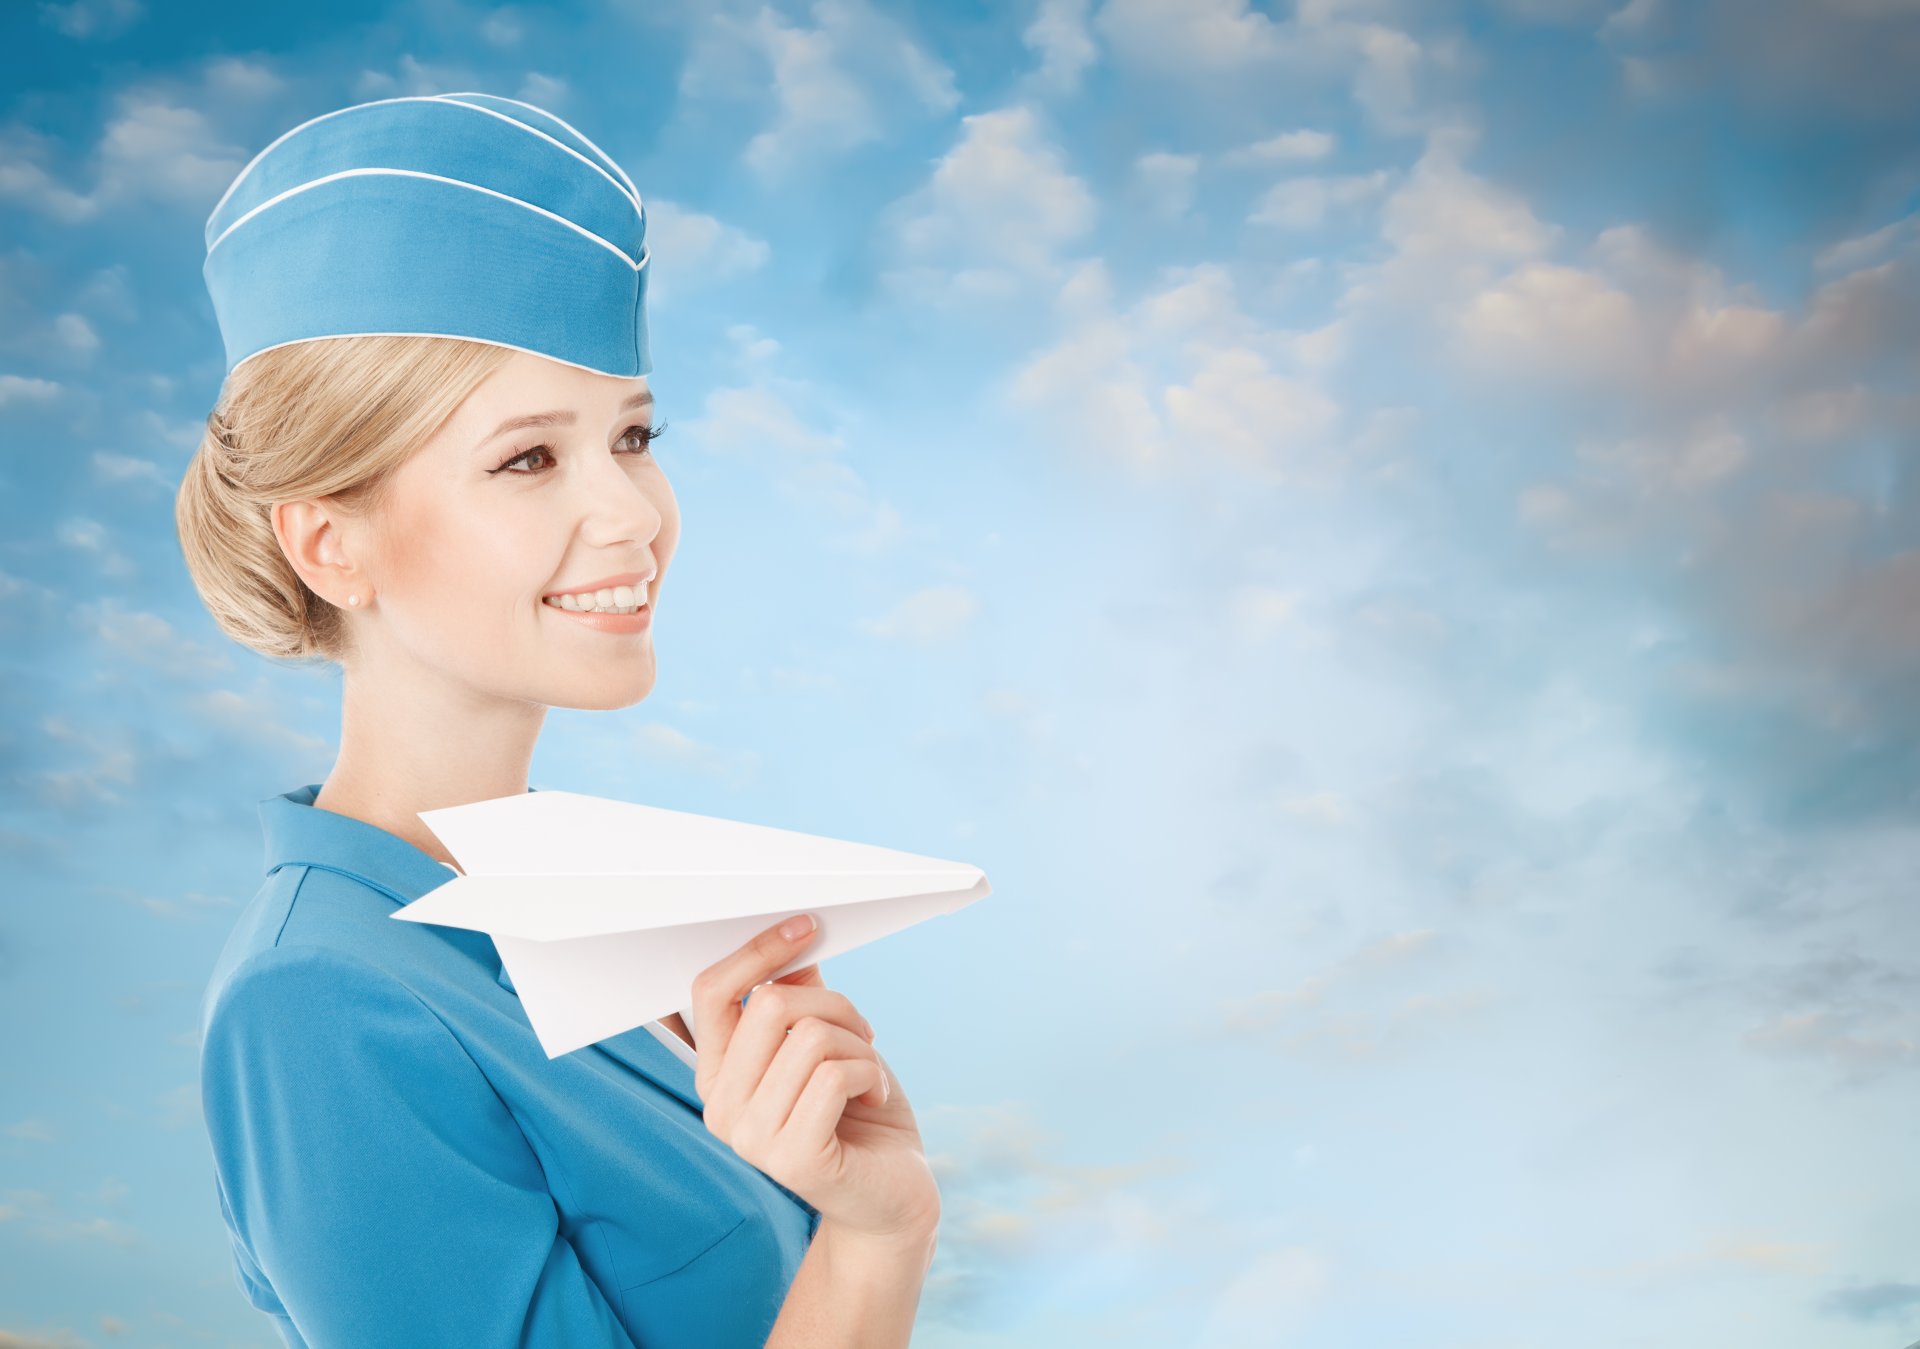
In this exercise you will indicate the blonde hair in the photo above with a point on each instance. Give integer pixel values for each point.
(329, 417)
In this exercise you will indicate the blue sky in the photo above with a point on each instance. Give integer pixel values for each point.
(1386, 527)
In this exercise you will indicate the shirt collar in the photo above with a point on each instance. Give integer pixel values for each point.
(298, 833)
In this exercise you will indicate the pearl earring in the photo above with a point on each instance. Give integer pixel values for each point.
(353, 599)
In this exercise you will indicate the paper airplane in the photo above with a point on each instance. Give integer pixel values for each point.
(603, 911)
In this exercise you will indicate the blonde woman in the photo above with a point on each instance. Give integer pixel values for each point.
(430, 464)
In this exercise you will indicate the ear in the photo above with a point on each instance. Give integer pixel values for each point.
(311, 536)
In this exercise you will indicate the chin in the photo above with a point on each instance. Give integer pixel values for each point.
(605, 695)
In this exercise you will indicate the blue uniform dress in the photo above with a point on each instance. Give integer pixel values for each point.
(400, 1164)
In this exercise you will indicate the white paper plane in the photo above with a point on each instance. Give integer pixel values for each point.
(603, 911)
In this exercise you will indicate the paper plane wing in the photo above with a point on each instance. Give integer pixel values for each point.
(603, 911)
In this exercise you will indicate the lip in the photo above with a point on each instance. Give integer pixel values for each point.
(626, 578)
(640, 620)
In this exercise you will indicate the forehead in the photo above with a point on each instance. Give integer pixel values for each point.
(529, 383)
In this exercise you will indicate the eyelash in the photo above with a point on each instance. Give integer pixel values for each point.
(651, 434)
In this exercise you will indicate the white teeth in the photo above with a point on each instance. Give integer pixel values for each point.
(624, 599)
(618, 600)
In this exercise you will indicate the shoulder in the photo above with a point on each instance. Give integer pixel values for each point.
(316, 1000)
(300, 1034)
(308, 924)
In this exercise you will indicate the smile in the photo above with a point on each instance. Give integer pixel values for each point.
(618, 600)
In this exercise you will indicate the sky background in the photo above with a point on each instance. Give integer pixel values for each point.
(1386, 527)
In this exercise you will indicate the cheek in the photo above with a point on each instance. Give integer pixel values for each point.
(463, 561)
(430, 550)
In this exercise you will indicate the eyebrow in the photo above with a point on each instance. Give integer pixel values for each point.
(642, 399)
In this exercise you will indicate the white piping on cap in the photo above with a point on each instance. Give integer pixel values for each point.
(632, 191)
(615, 249)
(487, 341)
(623, 185)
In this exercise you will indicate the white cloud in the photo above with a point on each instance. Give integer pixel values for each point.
(927, 617)
(1288, 147)
(1238, 406)
(1259, 611)
(751, 343)
(1876, 245)
(121, 468)
(148, 640)
(1629, 18)
(669, 745)
(1167, 181)
(164, 150)
(1184, 377)
(1444, 215)
(835, 85)
(108, 290)
(1305, 203)
(1690, 459)
(1386, 84)
(1395, 79)
(240, 78)
(111, 766)
(74, 333)
(25, 388)
(412, 76)
(994, 216)
(689, 249)
(544, 91)
(502, 28)
(90, 536)
(158, 145)
(1059, 34)
(1450, 233)
(254, 719)
(1636, 316)
(1191, 35)
(759, 423)
(90, 20)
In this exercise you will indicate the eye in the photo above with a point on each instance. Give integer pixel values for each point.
(647, 435)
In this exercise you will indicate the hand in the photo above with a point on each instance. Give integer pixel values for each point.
(793, 1084)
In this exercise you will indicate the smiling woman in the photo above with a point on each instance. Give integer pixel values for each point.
(431, 464)
(403, 456)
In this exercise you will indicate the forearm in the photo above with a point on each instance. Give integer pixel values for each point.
(853, 1292)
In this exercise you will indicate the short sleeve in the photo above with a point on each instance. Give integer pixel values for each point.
(376, 1178)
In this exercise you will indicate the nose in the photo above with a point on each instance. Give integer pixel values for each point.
(615, 508)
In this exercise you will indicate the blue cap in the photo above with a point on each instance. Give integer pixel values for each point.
(463, 215)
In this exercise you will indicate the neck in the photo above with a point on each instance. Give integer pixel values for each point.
(417, 743)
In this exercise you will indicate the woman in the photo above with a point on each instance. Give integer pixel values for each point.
(429, 464)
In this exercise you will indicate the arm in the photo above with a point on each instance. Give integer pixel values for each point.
(382, 1185)
(853, 1292)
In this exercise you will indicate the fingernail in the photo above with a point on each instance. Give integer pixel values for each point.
(869, 1025)
(797, 927)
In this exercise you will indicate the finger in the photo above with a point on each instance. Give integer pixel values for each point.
(807, 975)
(718, 988)
(813, 1125)
(772, 1012)
(813, 1046)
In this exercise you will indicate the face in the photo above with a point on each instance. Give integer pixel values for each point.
(485, 524)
